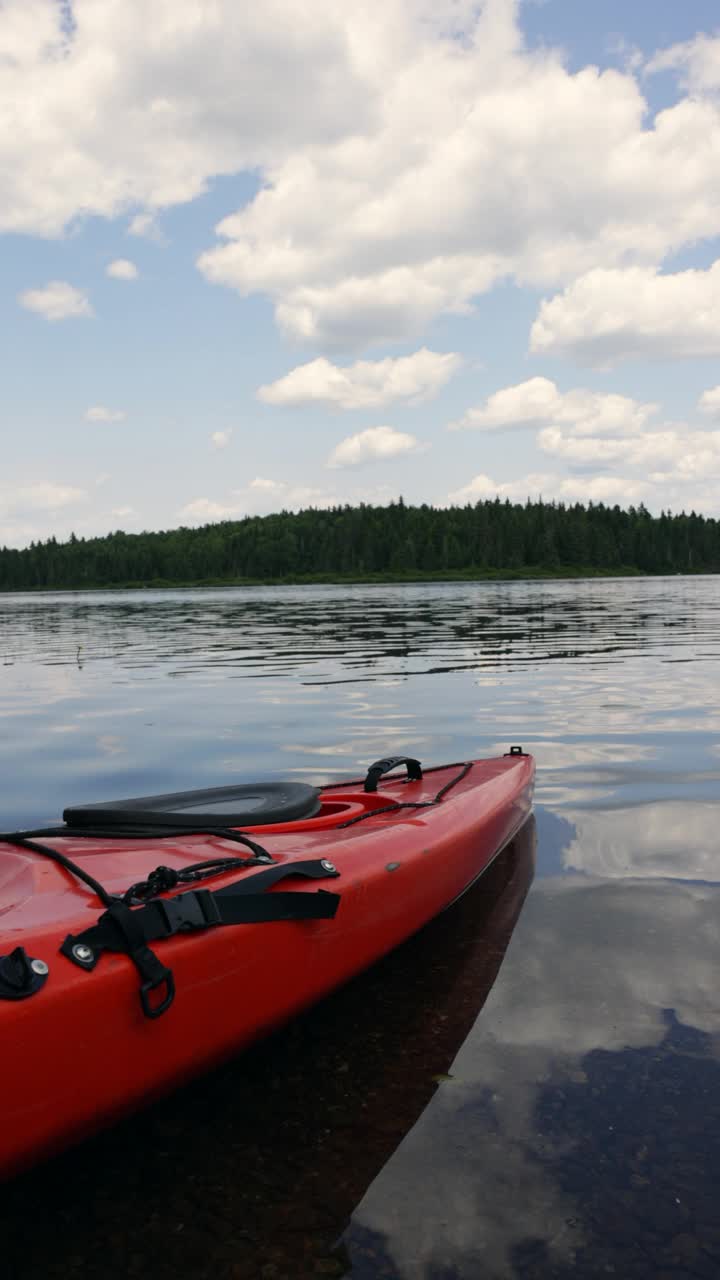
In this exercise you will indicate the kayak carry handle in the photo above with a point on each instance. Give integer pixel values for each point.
(380, 767)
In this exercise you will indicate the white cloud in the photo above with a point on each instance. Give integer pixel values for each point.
(44, 496)
(205, 510)
(709, 402)
(123, 511)
(367, 384)
(121, 114)
(549, 487)
(482, 487)
(58, 300)
(697, 60)
(605, 441)
(377, 495)
(484, 161)
(221, 439)
(538, 401)
(122, 269)
(101, 413)
(390, 306)
(681, 472)
(264, 495)
(260, 497)
(688, 453)
(601, 488)
(14, 533)
(552, 441)
(610, 315)
(418, 153)
(375, 444)
(145, 226)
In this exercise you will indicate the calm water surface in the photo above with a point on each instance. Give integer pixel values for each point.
(531, 1087)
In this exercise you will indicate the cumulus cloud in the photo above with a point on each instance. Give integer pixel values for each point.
(709, 402)
(687, 452)
(375, 444)
(117, 114)
(612, 454)
(44, 496)
(696, 60)
(122, 269)
(482, 487)
(205, 510)
(221, 439)
(609, 315)
(674, 470)
(367, 384)
(58, 300)
(538, 401)
(484, 161)
(402, 171)
(605, 441)
(354, 312)
(145, 226)
(260, 497)
(265, 495)
(101, 413)
(549, 486)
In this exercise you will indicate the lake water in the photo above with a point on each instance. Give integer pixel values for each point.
(531, 1086)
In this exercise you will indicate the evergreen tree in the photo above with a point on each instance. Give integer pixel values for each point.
(490, 537)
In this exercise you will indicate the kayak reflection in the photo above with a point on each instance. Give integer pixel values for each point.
(255, 1170)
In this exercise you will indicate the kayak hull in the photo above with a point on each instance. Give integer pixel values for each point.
(80, 1053)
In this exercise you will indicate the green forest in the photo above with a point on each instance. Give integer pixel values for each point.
(490, 539)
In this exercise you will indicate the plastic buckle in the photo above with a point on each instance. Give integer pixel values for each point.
(165, 979)
(194, 910)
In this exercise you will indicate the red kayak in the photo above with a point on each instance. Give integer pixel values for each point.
(144, 940)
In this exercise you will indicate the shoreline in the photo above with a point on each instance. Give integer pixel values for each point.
(524, 574)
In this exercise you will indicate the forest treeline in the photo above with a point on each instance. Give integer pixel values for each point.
(487, 539)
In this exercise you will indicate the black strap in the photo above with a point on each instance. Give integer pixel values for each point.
(124, 929)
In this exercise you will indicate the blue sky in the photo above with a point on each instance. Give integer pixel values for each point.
(441, 249)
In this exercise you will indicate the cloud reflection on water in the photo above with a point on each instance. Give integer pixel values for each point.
(593, 967)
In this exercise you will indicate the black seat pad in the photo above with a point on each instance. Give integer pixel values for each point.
(257, 804)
